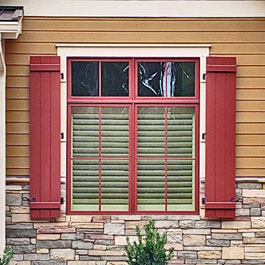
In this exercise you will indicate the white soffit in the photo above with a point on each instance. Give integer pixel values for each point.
(11, 30)
(140, 8)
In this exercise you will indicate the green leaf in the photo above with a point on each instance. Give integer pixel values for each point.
(149, 250)
(7, 256)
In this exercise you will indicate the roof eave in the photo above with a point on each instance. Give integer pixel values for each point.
(11, 29)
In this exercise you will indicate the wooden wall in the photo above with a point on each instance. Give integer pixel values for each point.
(243, 38)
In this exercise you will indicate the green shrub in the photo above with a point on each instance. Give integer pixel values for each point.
(7, 256)
(149, 250)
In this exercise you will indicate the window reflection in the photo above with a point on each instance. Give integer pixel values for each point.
(166, 79)
(85, 79)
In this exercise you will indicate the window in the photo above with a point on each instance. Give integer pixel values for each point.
(133, 135)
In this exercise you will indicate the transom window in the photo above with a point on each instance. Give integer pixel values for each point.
(133, 135)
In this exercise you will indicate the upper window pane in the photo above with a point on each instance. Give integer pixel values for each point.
(181, 79)
(166, 79)
(151, 79)
(85, 79)
(115, 79)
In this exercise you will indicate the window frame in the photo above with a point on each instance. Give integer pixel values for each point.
(144, 101)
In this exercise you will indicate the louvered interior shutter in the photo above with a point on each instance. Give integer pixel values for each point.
(220, 137)
(45, 136)
(100, 158)
(166, 158)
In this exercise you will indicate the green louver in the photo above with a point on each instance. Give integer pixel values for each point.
(164, 131)
(106, 138)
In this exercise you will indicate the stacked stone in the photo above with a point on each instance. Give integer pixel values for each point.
(100, 240)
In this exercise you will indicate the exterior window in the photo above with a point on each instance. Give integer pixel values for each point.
(133, 135)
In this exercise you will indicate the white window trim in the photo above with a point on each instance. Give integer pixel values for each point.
(132, 50)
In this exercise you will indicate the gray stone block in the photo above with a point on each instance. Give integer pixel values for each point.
(54, 244)
(18, 241)
(187, 254)
(186, 223)
(82, 245)
(36, 257)
(20, 226)
(51, 262)
(250, 186)
(217, 242)
(21, 233)
(255, 212)
(237, 236)
(24, 249)
(13, 199)
(89, 258)
(208, 224)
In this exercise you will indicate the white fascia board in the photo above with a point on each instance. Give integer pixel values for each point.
(106, 8)
(10, 30)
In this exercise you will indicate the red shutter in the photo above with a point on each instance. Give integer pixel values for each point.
(220, 137)
(45, 136)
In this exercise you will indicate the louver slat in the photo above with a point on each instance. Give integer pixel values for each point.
(165, 182)
(101, 180)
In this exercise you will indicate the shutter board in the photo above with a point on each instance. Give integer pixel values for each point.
(45, 136)
(220, 137)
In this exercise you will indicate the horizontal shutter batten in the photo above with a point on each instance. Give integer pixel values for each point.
(45, 205)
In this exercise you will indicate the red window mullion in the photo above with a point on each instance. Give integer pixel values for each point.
(99, 162)
(166, 138)
(135, 159)
(99, 79)
(166, 157)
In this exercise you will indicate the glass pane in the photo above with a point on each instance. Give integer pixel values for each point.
(151, 185)
(151, 132)
(85, 79)
(85, 185)
(181, 79)
(181, 132)
(115, 185)
(178, 82)
(180, 185)
(151, 79)
(115, 79)
(85, 131)
(114, 132)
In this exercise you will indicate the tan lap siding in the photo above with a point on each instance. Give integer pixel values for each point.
(243, 38)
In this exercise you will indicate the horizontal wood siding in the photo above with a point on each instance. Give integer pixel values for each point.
(243, 38)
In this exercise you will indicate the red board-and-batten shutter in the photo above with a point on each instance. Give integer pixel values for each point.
(220, 137)
(45, 136)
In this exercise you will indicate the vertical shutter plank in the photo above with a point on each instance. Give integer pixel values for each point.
(230, 134)
(35, 137)
(220, 117)
(55, 143)
(220, 138)
(45, 136)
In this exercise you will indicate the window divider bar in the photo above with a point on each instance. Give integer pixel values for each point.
(135, 157)
(166, 109)
(166, 157)
(99, 162)
(99, 79)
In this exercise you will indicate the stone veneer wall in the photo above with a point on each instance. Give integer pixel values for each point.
(100, 240)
